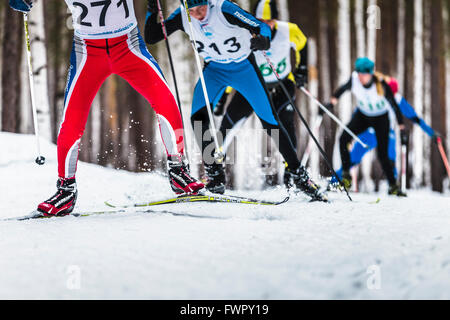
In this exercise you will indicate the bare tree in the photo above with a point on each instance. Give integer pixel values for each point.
(11, 85)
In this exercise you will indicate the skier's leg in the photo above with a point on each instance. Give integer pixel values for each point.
(358, 124)
(238, 111)
(250, 84)
(199, 115)
(358, 151)
(285, 110)
(392, 153)
(215, 85)
(89, 67)
(381, 126)
(255, 91)
(135, 64)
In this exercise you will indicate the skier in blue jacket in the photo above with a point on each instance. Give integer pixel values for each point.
(226, 37)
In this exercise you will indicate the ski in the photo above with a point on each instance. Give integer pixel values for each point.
(35, 215)
(39, 215)
(202, 198)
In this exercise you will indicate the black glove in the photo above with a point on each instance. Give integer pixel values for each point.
(259, 43)
(21, 5)
(152, 6)
(404, 138)
(220, 106)
(329, 107)
(301, 76)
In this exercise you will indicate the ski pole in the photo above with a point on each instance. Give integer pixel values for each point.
(444, 157)
(332, 116)
(218, 154)
(324, 155)
(40, 160)
(310, 142)
(404, 147)
(169, 53)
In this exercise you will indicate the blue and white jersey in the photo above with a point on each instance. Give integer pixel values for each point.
(219, 40)
(369, 101)
(102, 19)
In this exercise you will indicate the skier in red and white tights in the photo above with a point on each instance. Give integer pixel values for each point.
(107, 41)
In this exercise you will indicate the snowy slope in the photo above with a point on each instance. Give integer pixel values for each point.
(396, 249)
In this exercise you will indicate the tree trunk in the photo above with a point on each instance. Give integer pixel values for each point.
(438, 112)
(39, 62)
(418, 90)
(12, 48)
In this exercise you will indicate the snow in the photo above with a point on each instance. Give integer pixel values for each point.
(396, 249)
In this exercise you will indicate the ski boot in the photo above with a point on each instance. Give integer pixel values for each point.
(63, 201)
(394, 190)
(299, 179)
(215, 181)
(181, 181)
(346, 180)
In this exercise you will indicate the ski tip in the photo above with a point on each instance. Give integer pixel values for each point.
(109, 204)
(378, 200)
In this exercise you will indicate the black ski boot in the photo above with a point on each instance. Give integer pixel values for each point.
(181, 180)
(299, 179)
(63, 201)
(394, 190)
(215, 181)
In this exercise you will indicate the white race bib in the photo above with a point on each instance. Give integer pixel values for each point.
(217, 40)
(369, 101)
(102, 19)
(279, 54)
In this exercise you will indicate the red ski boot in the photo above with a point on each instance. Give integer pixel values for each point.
(63, 201)
(180, 179)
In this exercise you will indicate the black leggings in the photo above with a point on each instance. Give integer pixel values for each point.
(358, 125)
(239, 110)
(286, 145)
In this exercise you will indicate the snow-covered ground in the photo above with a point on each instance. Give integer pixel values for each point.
(396, 249)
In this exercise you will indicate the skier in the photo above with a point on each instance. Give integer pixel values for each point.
(373, 96)
(227, 36)
(369, 137)
(107, 41)
(288, 53)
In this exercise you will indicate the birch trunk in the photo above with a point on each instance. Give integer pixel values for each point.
(418, 91)
(366, 165)
(344, 107)
(373, 22)
(314, 88)
(401, 45)
(39, 62)
(283, 7)
(360, 29)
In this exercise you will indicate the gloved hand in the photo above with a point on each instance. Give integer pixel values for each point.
(21, 5)
(152, 6)
(301, 76)
(329, 107)
(404, 138)
(259, 42)
(436, 137)
(220, 106)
